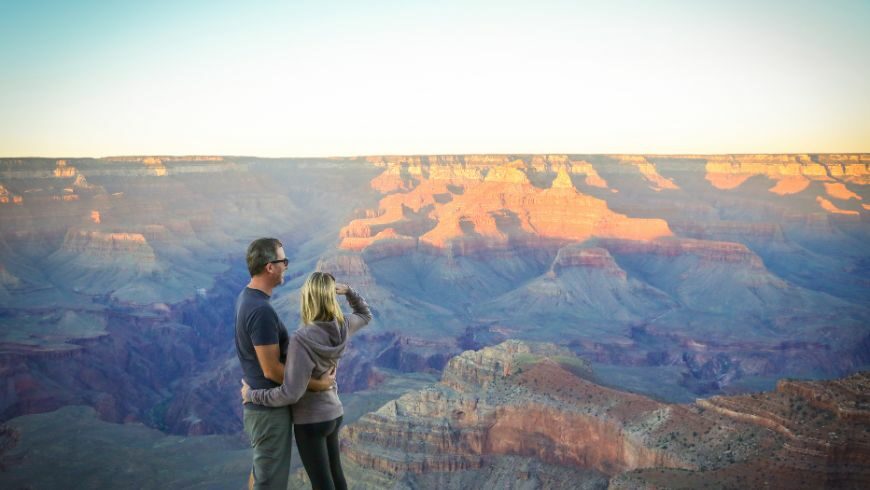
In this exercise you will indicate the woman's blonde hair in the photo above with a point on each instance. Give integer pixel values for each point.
(318, 300)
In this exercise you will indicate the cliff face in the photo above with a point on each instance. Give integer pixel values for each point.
(731, 171)
(733, 259)
(468, 209)
(535, 401)
(476, 203)
(583, 288)
(100, 248)
(118, 275)
(822, 427)
(681, 287)
(592, 257)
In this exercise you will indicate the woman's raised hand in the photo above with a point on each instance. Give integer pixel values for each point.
(341, 288)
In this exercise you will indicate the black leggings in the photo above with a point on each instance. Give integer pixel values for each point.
(318, 448)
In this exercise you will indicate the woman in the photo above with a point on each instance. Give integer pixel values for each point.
(315, 349)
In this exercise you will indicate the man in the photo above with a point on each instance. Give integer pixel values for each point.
(261, 344)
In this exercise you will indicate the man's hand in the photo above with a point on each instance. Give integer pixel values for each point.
(244, 391)
(322, 383)
(341, 288)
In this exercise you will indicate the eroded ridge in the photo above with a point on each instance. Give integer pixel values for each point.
(538, 401)
(472, 203)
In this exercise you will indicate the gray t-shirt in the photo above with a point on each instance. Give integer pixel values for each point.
(257, 323)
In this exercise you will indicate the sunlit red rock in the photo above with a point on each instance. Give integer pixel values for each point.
(395, 178)
(839, 190)
(7, 197)
(470, 209)
(64, 170)
(725, 180)
(581, 167)
(730, 171)
(787, 185)
(832, 208)
(648, 170)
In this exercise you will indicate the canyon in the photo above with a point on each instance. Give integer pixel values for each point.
(658, 279)
(537, 401)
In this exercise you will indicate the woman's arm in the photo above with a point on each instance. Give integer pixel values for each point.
(322, 383)
(361, 315)
(297, 373)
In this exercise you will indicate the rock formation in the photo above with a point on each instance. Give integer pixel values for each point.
(470, 209)
(116, 299)
(832, 208)
(656, 266)
(537, 401)
(7, 197)
(729, 171)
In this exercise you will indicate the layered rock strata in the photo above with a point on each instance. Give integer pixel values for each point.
(115, 299)
(477, 202)
(537, 401)
(823, 426)
(470, 209)
(532, 400)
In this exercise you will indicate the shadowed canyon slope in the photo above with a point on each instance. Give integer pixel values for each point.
(673, 276)
(119, 275)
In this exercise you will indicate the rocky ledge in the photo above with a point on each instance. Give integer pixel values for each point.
(540, 402)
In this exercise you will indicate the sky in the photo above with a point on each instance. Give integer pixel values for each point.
(342, 78)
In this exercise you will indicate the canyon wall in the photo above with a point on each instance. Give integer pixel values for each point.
(536, 401)
(653, 262)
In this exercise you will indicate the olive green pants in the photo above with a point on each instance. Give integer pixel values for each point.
(270, 433)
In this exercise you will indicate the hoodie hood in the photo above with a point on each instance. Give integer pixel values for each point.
(324, 342)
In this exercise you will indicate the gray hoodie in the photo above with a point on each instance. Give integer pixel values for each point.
(313, 350)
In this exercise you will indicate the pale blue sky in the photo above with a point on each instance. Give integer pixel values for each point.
(320, 78)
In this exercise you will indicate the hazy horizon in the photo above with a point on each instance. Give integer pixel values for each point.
(182, 156)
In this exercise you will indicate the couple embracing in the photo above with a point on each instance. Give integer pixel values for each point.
(290, 379)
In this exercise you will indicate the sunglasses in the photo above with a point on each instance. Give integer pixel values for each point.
(285, 261)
